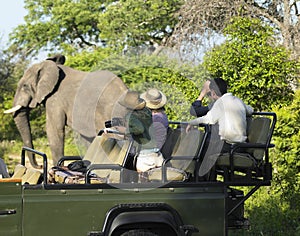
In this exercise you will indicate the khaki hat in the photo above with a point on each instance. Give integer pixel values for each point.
(132, 101)
(154, 98)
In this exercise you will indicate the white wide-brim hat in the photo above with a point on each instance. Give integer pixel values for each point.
(132, 100)
(154, 98)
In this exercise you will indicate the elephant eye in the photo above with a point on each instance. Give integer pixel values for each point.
(26, 87)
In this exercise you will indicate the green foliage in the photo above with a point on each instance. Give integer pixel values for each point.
(10, 72)
(8, 130)
(56, 25)
(135, 22)
(10, 152)
(178, 89)
(275, 210)
(141, 71)
(87, 60)
(269, 214)
(257, 70)
(287, 161)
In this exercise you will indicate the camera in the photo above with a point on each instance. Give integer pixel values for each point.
(115, 121)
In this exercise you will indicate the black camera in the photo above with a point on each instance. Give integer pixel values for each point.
(115, 121)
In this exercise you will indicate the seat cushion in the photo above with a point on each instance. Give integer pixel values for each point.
(242, 160)
(173, 174)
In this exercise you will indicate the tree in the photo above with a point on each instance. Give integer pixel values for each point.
(138, 22)
(10, 71)
(53, 24)
(256, 68)
(201, 17)
(56, 25)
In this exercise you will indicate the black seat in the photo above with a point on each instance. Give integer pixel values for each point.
(182, 152)
(171, 139)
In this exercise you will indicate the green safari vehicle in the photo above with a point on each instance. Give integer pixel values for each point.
(110, 198)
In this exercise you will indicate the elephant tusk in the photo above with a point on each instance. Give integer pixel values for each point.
(14, 109)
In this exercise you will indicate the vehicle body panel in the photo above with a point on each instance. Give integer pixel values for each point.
(10, 208)
(79, 211)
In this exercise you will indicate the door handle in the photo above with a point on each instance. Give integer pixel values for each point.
(8, 212)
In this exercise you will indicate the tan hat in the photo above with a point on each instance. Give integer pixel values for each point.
(154, 98)
(132, 101)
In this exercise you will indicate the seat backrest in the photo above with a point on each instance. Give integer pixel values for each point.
(31, 176)
(171, 140)
(99, 149)
(187, 145)
(259, 131)
(119, 152)
(19, 171)
(106, 150)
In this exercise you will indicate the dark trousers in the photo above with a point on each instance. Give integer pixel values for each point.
(212, 148)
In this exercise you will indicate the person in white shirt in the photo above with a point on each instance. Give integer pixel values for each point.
(230, 114)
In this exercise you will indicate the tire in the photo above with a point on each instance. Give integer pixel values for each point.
(138, 232)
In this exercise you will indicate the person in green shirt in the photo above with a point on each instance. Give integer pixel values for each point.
(138, 124)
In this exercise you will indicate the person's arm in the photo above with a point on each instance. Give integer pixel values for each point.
(197, 109)
(212, 116)
(249, 110)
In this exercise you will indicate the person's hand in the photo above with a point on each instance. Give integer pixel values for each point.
(105, 130)
(121, 129)
(188, 128)
(205, 89)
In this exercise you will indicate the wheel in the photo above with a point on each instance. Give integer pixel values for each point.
(138, 232)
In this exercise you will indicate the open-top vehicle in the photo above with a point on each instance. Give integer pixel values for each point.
(103, 194)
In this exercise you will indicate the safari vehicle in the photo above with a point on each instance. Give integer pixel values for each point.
(109, 198)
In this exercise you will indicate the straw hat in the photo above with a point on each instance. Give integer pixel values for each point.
(154, 98)
(132, 101)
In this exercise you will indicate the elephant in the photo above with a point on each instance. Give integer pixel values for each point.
(78, 99)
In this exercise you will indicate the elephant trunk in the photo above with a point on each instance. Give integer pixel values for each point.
(21, 119)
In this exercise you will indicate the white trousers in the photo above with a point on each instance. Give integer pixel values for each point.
(148, 160)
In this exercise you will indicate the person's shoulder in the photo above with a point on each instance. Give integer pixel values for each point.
(145, 110)
(227, 95)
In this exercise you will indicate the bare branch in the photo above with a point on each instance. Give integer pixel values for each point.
(198, 18)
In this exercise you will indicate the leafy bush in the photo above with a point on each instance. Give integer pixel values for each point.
(257, 69)
(275, 210)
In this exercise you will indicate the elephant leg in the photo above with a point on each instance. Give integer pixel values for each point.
(55, 126)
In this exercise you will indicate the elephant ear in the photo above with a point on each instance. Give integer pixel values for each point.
(47, 79)
(58, 59)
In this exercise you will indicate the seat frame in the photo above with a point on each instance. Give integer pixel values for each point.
(197, 158)
(262, 170)
(107, 166)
